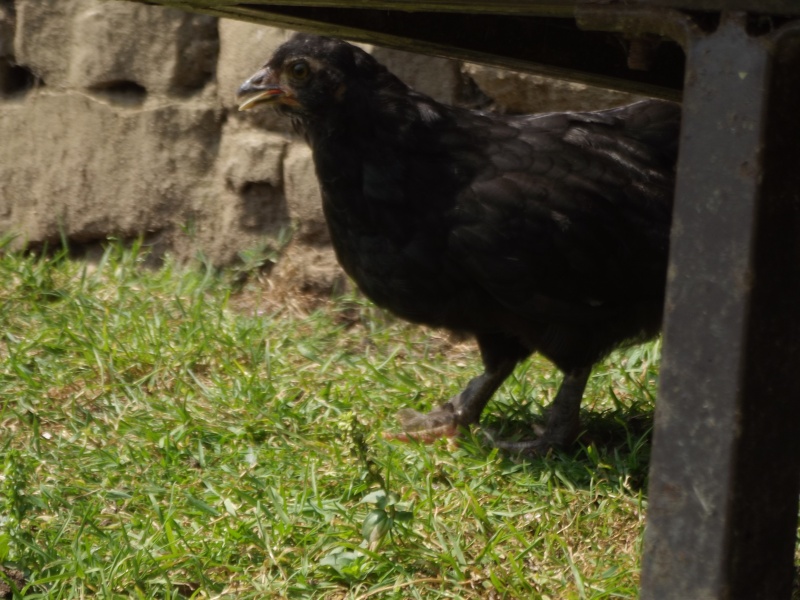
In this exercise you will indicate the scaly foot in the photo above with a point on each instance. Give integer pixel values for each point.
(426, 427)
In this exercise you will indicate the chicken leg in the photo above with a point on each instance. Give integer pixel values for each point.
(563, 422)
(500, 354)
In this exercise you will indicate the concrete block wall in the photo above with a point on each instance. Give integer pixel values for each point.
(119, 119)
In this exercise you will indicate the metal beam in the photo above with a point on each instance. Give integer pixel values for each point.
(562, 8)
(546, 45)
(725, 468)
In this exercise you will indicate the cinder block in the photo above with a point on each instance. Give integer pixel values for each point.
(72, 164)
(95, 44)
(519, 93)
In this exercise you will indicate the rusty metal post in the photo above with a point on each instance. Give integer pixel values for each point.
(725, 468)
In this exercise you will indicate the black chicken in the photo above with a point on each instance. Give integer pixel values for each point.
(538, 233)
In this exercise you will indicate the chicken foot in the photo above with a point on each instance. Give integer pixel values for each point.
(563, 422)
(462, 410)
(500, 354)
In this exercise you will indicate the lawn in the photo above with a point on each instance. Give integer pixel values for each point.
(164, 436)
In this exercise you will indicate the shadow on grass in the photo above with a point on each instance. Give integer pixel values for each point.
(613, 442)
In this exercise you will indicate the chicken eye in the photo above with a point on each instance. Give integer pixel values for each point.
(300, 70)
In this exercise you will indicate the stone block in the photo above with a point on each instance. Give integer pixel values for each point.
(166, 51)
(309, 269)
(13, 78)
(7, 22)
(251, 156)
(95, 44)
(246, 207)
(303, 196)
(72, 164)
(438, 78)
(518, 93)
(43, 38)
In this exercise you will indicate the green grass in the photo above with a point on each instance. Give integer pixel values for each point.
(160, 438)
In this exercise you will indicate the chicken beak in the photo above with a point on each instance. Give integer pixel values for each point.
(261, 88)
